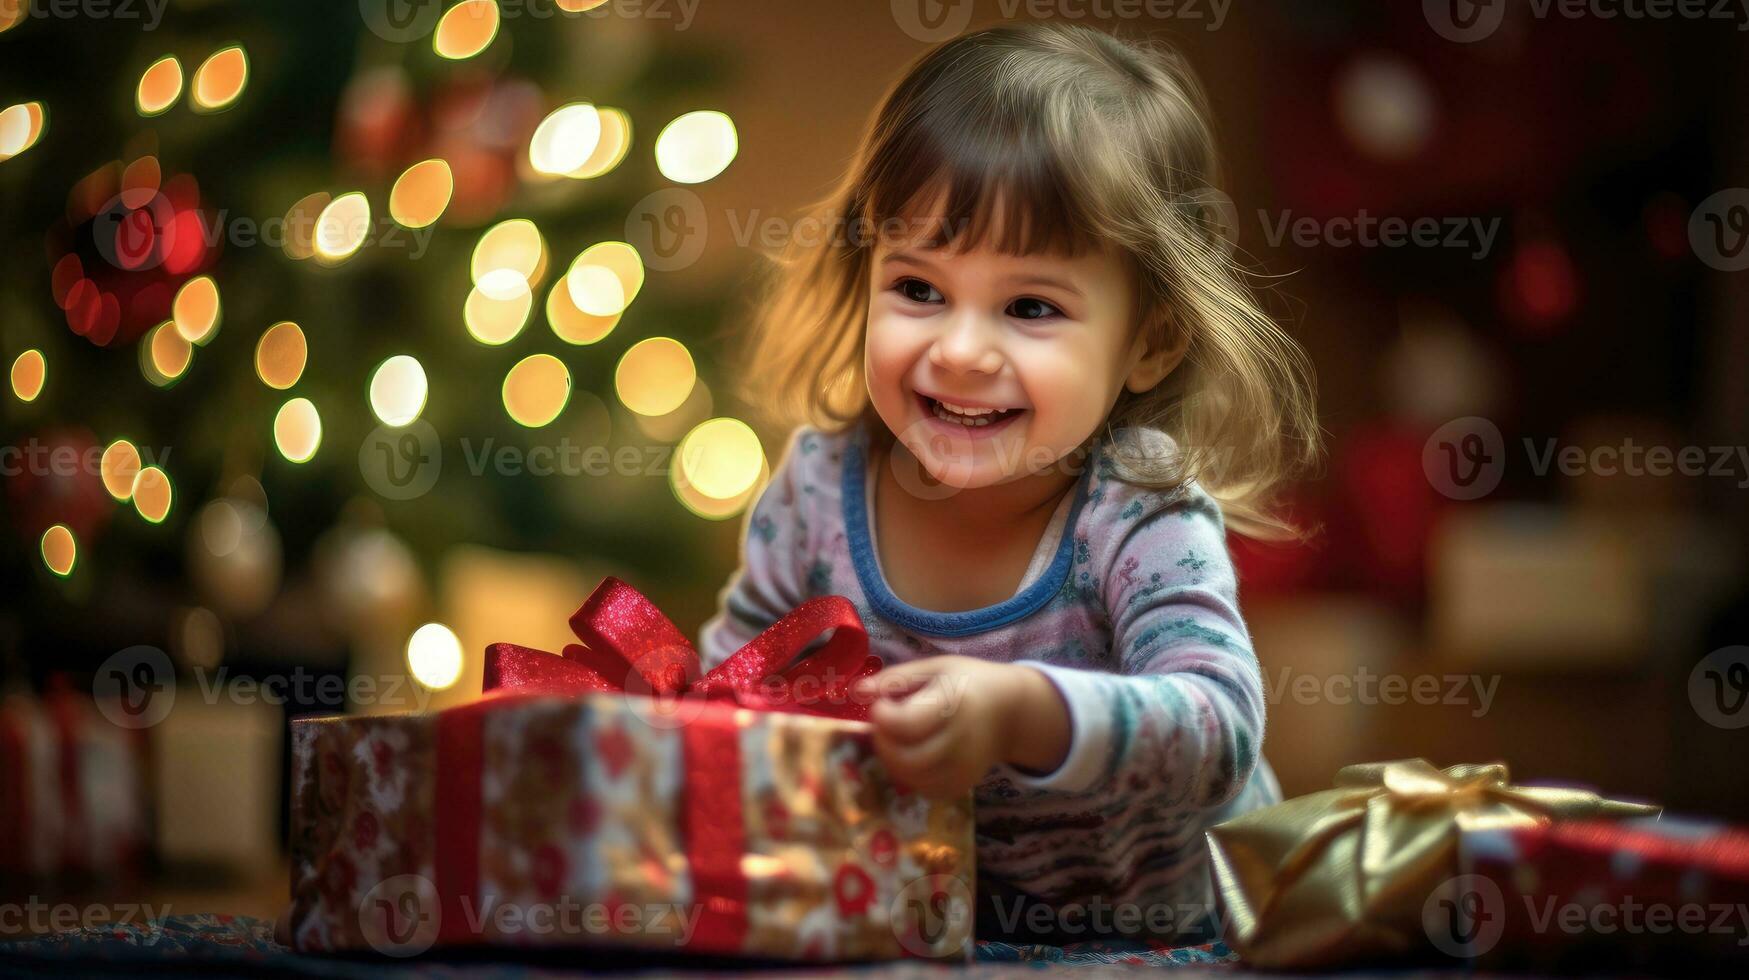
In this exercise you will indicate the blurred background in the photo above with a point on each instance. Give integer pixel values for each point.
(345, 338)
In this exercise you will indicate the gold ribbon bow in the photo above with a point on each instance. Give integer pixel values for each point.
(1341, 876)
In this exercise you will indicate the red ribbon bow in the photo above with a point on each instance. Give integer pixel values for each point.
(630, 647)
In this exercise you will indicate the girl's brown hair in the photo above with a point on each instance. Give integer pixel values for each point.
(1046, 137)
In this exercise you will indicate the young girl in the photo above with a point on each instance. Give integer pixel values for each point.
(1038, 392)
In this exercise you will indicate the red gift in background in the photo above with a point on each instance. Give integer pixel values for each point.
(72, 789)
(610, 796)
(1635, 895)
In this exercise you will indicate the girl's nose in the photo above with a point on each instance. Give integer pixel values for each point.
(966, 345)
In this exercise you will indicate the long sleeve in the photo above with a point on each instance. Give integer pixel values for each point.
(771, 580)
(1180, 714)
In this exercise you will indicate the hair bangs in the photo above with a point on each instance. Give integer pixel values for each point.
(973, 173)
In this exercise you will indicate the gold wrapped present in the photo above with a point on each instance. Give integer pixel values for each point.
(1346, 876)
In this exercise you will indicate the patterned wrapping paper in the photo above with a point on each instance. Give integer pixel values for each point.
(1638, 895)
(581, 836)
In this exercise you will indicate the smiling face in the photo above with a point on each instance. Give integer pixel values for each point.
(991, 367)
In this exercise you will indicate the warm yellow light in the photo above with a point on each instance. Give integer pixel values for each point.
(578, 6)
(160, 86)
(341, 229)
(300, 225)
(696, 146)
(170, 354)
(720, 458)
(565, 139)
(20, 127)
(711, 508)
(280, 355)
(196, 310)
(397, 390)
(497, 321)
(421, 194)
(13, 12)
(515, 246)
(119, 467)
(615, 142)
(573, 326)
(297, 430)
(152, 494)
(466, 29)
(655, 376)
(59, 550)
(434, 655)
(605, 279)
(536, 390)
(220, 79)
(29, 370)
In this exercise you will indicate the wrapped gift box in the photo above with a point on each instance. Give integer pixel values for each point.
(1361, 874)
(1638, 895)
(728, 815)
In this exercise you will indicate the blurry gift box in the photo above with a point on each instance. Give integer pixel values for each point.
(72, 789)
(1361, 874)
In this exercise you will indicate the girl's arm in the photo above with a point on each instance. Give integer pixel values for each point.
(1183, 717)
(771, 580)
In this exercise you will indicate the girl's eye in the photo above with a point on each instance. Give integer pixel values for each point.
(1029, 308)
(917, 291)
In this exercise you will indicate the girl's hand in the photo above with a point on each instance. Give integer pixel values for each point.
(941, 723)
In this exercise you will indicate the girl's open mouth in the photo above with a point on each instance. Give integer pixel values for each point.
(968, 420)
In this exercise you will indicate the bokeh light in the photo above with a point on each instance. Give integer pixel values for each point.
(59, 550)
(434, 655)
(466, 29)
(605, 278)
(297, 430)
(165, 355)
(119, 467)
(696, 146)
(300, 224)
(397, 390)
(515, 246)
(341, 229)
(140, 182)
(720, 458)
(280, 355)
(29, 371)
(578, 6)
(13, 13)
(536, 390)
(571, 325)
(196, 310)
(611, 148)
(421, 194)
(152, 494)
(220, 79)
(20, 127)
(655, 376)
(160, 86)
(497, 321)
(565, 140)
